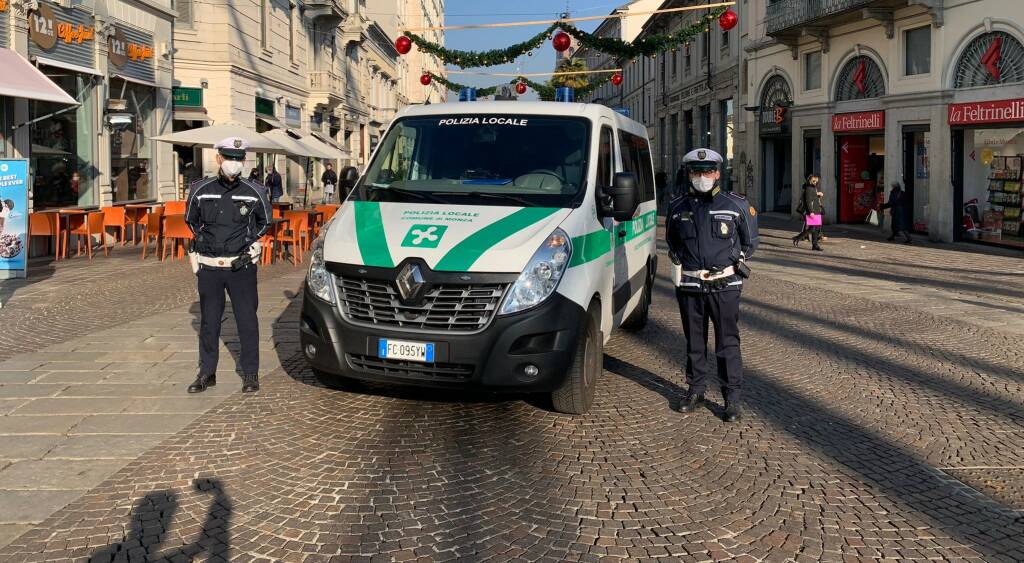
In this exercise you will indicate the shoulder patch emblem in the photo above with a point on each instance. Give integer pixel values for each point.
(753, 212)
(724, 228)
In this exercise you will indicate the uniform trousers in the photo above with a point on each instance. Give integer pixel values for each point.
(241, 287)
(723, 310)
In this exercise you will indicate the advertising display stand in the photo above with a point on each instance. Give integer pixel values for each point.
(13, 218)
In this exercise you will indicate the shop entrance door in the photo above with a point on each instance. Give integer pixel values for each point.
(915, 174)
(860, 175)
(777, 174)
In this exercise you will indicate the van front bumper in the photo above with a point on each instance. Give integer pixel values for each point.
(495, 358)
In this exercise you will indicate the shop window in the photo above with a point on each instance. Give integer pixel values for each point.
(812, 71)
(917, 44)
(131, 150)
(992, 190)
(62, 164)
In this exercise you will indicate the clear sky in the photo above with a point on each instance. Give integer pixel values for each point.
(461, 12)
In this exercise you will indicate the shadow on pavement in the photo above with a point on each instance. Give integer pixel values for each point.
(151, 519)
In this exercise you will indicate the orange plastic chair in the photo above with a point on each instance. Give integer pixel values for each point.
(151, 230)
(117, 218)
(43, 225)
(88, 226)
(176, 207)
(175, 231)
(297, 228)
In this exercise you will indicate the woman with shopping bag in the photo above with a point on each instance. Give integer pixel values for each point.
(810, 206)
(897, 206)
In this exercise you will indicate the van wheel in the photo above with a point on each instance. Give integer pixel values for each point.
(638, 318)
(577, 392)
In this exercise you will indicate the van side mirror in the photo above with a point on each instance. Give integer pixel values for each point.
(621, 198)
(348, 177)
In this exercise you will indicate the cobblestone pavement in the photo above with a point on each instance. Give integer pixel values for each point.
(871, 432)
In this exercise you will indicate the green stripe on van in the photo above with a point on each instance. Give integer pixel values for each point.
(594, 245)
(373, 245)
(463, 255)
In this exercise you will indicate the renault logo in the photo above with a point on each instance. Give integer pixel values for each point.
(410, 283)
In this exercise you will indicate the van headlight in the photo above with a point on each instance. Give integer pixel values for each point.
(318, 279)
(541, 275)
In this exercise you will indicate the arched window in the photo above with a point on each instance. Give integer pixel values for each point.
(776, 91)
(990, 59)
(860, 79)
(776, 97)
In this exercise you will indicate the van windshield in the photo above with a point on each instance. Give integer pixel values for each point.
(510, 160)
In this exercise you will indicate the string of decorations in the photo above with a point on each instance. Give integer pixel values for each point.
(544, 91)
(561, 41)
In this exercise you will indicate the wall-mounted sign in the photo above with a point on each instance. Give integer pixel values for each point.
(860, 121)
(63, 34)
(188, 97)
(131, 53)
(265, 107)
(293, 116)
(5, 17)
(999, 111)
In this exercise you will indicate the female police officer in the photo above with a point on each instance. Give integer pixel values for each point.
(710, 233)
(227, 214)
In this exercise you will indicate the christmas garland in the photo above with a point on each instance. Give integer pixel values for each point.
(546, 93)
(645, 47)
(456, 87)
(608, 45)
(473, 59)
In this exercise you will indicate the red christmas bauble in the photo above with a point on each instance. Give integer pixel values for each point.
(616, 79)
(561, 42)
(728, 20)
(403, 44)
(425, 79)
(520, 88)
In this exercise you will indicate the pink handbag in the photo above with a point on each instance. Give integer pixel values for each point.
(813, 219)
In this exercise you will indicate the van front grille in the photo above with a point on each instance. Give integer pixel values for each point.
(445, 307)
(403, 368)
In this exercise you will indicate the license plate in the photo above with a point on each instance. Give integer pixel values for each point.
(404, 350)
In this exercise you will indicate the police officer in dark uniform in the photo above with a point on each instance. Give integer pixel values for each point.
(710, 235)
(227, 214)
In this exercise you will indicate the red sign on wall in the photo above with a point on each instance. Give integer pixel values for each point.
(861, 121)
(999, 111)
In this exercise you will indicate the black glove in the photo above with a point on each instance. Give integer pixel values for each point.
(675, 259)
(742, 270)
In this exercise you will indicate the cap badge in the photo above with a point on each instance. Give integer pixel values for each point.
(702, 154)
(238, 143)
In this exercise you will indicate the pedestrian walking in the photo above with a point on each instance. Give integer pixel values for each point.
(897, 206)
(227, 214)
(254, 175)
(811, 207)
(710, 234)
(330, 182)
(273, 184)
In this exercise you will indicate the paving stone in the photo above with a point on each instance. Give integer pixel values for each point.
(56, 474)
(133, 423)
(29, 446)
(17, 507)
(38, 424)
(70, 405)
(103, 446)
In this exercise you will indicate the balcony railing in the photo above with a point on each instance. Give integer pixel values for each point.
(788, 14)
(325, 81)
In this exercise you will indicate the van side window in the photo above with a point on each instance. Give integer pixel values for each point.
(636, 158)
(604, 158)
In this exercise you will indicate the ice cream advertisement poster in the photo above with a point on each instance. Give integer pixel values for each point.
(13, 214)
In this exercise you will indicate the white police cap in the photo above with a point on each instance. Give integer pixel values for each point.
(232, 147)
(702, 158)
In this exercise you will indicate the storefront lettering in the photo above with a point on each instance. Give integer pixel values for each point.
(139, 52)
(122, 50)
(1000, 111)
(862, 121)
(45, 30)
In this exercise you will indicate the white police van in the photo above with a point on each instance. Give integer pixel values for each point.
(489, 244)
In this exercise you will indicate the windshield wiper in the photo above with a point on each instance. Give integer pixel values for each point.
(493, 195)
(416, 194)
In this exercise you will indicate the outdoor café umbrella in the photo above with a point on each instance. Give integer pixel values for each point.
(213, 134)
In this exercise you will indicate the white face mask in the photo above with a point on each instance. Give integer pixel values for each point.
(232, 168)
(702, 184)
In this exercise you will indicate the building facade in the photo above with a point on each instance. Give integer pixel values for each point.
(865, 93)
(326, 69)
(114, 58)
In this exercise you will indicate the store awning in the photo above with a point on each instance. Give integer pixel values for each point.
(191, 114)
(66, 66)
(326, 151)
(334, 144)
(211, 135)
(270, 121)
(22, 80)
(291, 144)
(133, 80)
